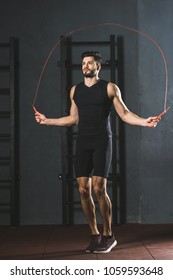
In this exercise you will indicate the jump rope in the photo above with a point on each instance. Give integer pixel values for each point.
(57, 44)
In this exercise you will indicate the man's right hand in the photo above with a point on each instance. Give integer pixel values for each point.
(40, 118)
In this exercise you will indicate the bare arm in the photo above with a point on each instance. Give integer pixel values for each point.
(71, 119)
(124, 113)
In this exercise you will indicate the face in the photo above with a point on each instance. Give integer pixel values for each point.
(89, 67)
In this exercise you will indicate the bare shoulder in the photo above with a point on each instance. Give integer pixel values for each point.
(72, 91)
(113, 90)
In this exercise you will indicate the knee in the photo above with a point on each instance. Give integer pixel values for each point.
(84, 193)
(99, 187)
(84, 188)
(99, 191)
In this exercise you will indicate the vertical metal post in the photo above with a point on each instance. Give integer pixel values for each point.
(122, 179)
(112, 58)
(63, 136)
(69, 136)
(114, 137)
(14, 132)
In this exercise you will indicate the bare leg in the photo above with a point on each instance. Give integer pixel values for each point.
(87, 203)
(105, 206)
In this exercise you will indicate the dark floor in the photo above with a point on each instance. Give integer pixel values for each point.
(135, 242)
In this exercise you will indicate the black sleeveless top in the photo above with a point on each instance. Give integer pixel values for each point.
(94, 107)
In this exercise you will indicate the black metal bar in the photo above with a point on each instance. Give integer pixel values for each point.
(4, 181)
(4, 114)
(12, 138)
(14, 217)
(5, 186)
(69, 140)
(112, 58)
(72, 202)
(2, 204)
(4, 91)
(114, 137)
(4, 137)
(63, 137)
(71, 133)
(122, 178)
(4, 45)
(85, 43)
(5, 68)
(5, 158)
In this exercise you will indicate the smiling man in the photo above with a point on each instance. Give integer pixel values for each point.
(91, 103)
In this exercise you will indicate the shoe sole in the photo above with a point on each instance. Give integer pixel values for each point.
(108, 250)
(88, 251)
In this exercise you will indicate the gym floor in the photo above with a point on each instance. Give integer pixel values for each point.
(56, 242)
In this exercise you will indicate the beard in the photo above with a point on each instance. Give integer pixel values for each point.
(91, 74)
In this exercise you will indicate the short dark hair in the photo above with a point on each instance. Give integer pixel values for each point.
(96, 55)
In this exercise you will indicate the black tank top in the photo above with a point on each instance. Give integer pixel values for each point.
(94, 107)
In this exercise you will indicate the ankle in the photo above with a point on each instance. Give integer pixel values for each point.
(107, 234)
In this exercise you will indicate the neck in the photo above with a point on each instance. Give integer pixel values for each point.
(91, 81)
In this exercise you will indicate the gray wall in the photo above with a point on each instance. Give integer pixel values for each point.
(156, 146)
(38, 25)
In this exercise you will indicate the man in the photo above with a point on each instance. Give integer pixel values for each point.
(91, 103)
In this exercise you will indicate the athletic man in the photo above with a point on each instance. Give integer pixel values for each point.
(91, 103)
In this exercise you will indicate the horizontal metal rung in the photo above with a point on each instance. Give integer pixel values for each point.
(4, 114)
(4, 181)
(4, 137)
(4, 158)
(5, 163)
(72, 202)
(71, 133)
(5, 186)
(77, 43)
(4, 68)
(4, 91)
(5, 204)
(71, 179)
(4, 45)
